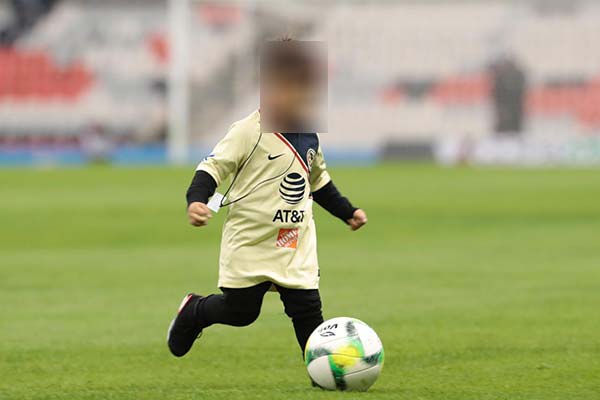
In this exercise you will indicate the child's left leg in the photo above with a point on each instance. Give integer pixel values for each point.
(303, 306)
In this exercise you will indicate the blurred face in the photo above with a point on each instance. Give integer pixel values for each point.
(292, 101)
(293, 88)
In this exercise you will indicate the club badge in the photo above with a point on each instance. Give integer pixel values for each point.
(310, 157)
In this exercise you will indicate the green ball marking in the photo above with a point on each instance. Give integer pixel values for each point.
(381, 357)
(338, 374)
(357, 343)
(311, 354)
(375, 359)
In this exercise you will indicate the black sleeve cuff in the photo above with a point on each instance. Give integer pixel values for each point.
(202, 188)
(332, 200)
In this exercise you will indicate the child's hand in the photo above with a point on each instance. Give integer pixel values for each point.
(198, 214)
(359, 218)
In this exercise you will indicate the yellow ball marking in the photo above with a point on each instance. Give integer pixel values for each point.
(346, 356)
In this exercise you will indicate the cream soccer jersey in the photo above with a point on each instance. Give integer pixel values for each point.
(269, 233)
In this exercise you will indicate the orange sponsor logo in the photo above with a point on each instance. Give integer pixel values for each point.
(287, 238)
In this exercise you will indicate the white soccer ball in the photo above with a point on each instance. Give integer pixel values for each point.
(344, 354)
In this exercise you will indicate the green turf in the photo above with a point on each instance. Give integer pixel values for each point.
(482, 283)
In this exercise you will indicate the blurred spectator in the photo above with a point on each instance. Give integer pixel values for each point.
(508, 95)
(96, 144)
(26, 13)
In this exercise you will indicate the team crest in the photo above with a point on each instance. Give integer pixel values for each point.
(310, 157)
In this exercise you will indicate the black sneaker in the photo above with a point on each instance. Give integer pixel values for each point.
(184, 329)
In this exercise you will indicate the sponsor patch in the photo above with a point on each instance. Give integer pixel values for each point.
(287, 238)
(292, 188)
(310, 157)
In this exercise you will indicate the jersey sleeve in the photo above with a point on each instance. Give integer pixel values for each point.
(228, 155)
(319, 176)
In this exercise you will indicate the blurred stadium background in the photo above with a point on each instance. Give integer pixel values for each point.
(158, 81)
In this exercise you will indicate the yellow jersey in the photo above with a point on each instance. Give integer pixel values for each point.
(269, 233)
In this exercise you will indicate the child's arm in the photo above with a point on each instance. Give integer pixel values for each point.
(203, 186)
(213, 170)
(332, 200)
(328, 196)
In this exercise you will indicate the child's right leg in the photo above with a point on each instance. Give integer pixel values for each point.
(236, 307)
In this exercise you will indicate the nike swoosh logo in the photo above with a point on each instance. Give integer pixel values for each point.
(270, 157)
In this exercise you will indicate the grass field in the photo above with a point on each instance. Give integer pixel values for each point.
(482, 283)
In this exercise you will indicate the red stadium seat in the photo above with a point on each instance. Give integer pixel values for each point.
(26, 75)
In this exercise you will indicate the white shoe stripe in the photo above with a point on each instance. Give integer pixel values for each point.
(184, 302)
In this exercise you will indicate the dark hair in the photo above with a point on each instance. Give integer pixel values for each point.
(290, 58)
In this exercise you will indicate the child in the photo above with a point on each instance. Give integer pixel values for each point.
(269, 238)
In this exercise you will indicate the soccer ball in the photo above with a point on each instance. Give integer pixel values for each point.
(344, 354)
